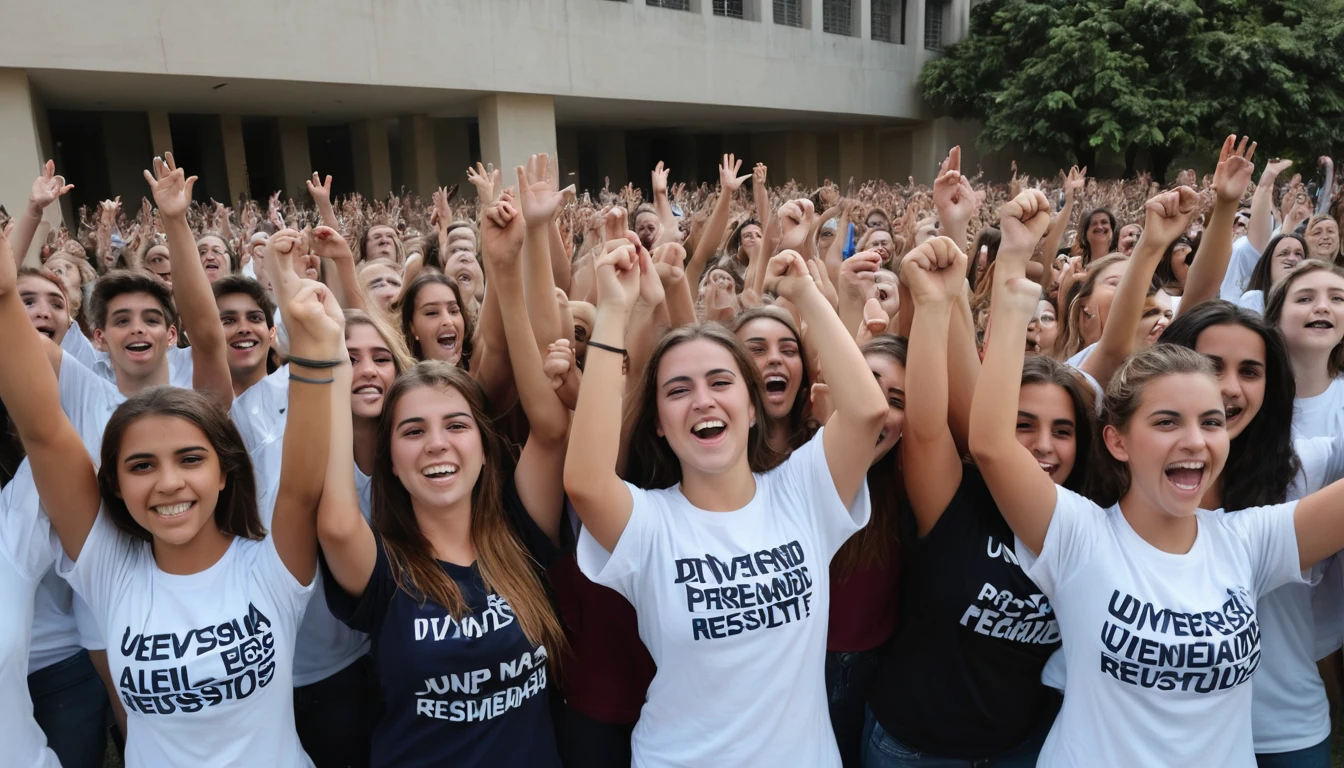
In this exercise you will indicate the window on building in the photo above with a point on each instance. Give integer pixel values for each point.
(732, 9)
(789, 13)
(889, 20)
(933, 24)
(836, 16)
(676, 5)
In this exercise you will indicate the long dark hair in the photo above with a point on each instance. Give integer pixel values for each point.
(1084, 247)
(880, 538)
(1261, 461)
(504, 564)
(1278, 296)
(800, 428)
(1260, 279)
(1039, 369)
(652, 463)
(236, 508)
(408, 313)
(1164, 275)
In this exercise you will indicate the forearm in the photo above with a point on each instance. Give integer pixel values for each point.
(1326, 191)
(994, 405)
(191, 288)
(538, 286)
(963, 371)
(710, 241)
(595, 438)
(1117, 338)
(1055, 234)
(561, 271)
(1211, 260)
(351, 296)
(25, 227)
(328, 214)
(926, 372)
(1261, 224)
(680, 307)
(853, 389)
(547, 417)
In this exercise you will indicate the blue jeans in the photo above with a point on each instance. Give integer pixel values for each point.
(70, 705)
(880, 750)
(1311, 757)
(847, 679)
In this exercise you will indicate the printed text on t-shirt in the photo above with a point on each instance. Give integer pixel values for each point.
(1223, 650)
(775, 590)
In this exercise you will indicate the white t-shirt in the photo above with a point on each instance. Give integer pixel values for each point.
(1157, 644)
(1322, 415)
(88, 401)
(181, 368)
(733, 607)
(1076, 363)
(77, 344)
(1239, 269)
(24, 556)
(259, 413)
(1252, 300)
(325, 645)
(203, 663)
(55, 633)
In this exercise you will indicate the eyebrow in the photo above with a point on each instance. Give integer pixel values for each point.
(715, 372)
(178, 452)
(423, 420)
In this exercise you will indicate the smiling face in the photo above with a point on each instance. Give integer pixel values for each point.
(775, 350)
(246, 333)
(1047, 426)
(704, 408)
(373, 369)
(169, 477)
(383, 284)
(137, 335)
(1175, 443)
(890, 375)
(380, 243)
(1323, 239)
(214, 257)
(437, 324)
(46, 306)
(1287, 253)
(437, 452)
(1238, 355)
(1312, 320)
(1099, 234)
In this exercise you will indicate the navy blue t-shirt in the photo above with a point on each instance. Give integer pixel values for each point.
(460, 693)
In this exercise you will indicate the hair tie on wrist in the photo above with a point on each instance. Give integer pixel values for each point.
(625, 356)
(314, 363)
(296, 377)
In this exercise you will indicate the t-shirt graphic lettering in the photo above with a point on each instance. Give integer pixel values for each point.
(497, 615)
(1223, 652)
(997, 612)
(207, 666)
(743, 593)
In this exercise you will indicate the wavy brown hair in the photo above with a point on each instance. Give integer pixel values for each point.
(800, 428)
(1278, 296)
(236, 508)
(506, 567)
(1072, 340)
(652, 463)
(408, 300)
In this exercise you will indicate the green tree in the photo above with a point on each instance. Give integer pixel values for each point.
(1068, 78)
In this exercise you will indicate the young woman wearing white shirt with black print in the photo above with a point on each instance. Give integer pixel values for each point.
(199, 606)
(1156, 599)
(1307, 307)
(740, 668)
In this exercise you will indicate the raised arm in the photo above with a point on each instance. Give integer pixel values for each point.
(320, 191)
(1261, 225)
(62, 468)
(935, 273)
(1230, 180)
(539, 475)
(601, 499)
(317, 349)
(860, 406)
(1167, 217)
(954, 199)
(1055, 234)
(663, 206)
(539, 202)
(328, 244)
(1024, 494)
(717, 228)
(191, 288)
(47, 189)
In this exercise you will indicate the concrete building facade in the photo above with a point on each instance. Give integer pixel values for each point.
(254, 95)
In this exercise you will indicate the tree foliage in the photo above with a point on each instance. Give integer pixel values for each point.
(1067, 78)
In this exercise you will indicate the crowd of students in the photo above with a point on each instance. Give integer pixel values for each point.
(737, 476)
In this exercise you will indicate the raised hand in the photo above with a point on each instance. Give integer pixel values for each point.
(9, 271)
(618, 275)
(485, 178)
(327, 243)
(1275, 167)
(1023, 221)
(858, 275)
(817, 268)
(1167, 215)
(320, 190)
(171, 187)
(1233, 173)
(935, 271)
(540, 200)
(314, 319)
(796, 218)
(660, 178)
(758, 174)
(1076, 180)
(281, 250)
(48, 187)
(874, 324)
(728, 178)
(502, 233)
(669, 260)
(786, 276)
(108, 211)
(650, 286)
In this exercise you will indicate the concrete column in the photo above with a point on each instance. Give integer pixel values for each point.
(296, 162)
(513, 128)
(235, 156)
(160, 134)
(800, 159)
(914, 25)
(452, 155)
(373, 162)
(567, 144)
(418, 155)
(929, 144)
(21, 140)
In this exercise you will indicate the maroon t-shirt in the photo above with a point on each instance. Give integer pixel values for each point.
(864, 607)
(606, 672)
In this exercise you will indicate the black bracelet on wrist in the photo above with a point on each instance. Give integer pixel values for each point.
(306, 363)
(624, 354)
(296, 377)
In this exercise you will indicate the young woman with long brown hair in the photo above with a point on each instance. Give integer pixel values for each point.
(446, 578)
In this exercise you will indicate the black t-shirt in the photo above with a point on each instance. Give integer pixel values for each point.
(468, 693)
(962, 677)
